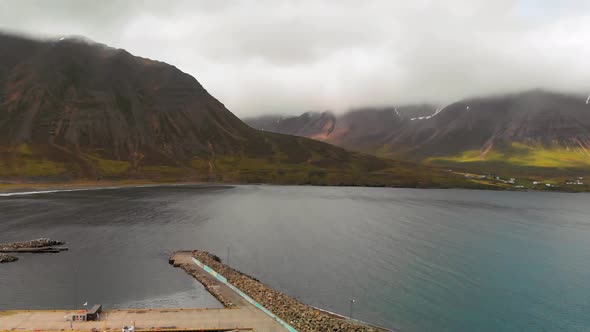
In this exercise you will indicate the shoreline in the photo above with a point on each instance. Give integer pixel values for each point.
(13, 189)
(27, 188)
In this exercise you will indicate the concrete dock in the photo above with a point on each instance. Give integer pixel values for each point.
(244, 316)
(145, 320)
(249, 306)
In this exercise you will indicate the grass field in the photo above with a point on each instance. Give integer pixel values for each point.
(519, 154)
(520, 159)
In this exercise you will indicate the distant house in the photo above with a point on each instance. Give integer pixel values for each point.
(80, 316)
(86, 315)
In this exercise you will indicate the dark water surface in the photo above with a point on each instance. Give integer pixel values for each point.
(415, 260)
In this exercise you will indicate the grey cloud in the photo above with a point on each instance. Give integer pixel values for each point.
(289, 56)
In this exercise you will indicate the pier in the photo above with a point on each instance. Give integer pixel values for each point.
(242, 312)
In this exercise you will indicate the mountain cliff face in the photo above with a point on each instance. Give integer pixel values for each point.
(365, 129)
(310, 124)
(75, 109)
(73, 97)
(532, 129)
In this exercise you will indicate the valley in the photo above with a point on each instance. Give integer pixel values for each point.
(538, 135)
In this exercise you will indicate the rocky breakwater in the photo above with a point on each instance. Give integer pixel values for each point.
(4, 258)
(301, 316)
(209, 284)
(38, 243)
(42, 245)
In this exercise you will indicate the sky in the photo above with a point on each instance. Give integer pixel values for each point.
(287, 56)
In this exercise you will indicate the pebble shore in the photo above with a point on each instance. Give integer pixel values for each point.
(301, 316)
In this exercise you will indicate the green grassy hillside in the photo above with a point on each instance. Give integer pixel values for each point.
(521, 157)
(276, 158)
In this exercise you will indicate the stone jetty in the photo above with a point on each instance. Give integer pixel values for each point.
(302, 317)
(41, 245)
(211, 285)
(38, 243)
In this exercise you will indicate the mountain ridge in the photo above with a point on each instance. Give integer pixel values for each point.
(73, 109)
(482, 127)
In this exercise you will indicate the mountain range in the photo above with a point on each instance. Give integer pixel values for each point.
(535, 131)
(74, 109)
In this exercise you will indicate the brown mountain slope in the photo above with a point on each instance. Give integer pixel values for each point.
(365, 129)
(537, 129)
(74, 109)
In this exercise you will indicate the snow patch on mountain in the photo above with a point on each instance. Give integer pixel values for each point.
(436, 112)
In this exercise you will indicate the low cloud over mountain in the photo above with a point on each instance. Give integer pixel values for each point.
(284, 56)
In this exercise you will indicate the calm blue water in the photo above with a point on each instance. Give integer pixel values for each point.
(414, 260)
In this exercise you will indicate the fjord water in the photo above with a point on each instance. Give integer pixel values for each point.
(414, 260)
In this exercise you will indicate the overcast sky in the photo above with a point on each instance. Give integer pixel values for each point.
(275, 56)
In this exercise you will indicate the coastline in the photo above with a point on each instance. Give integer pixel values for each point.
(24, 188)
(48, 187)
